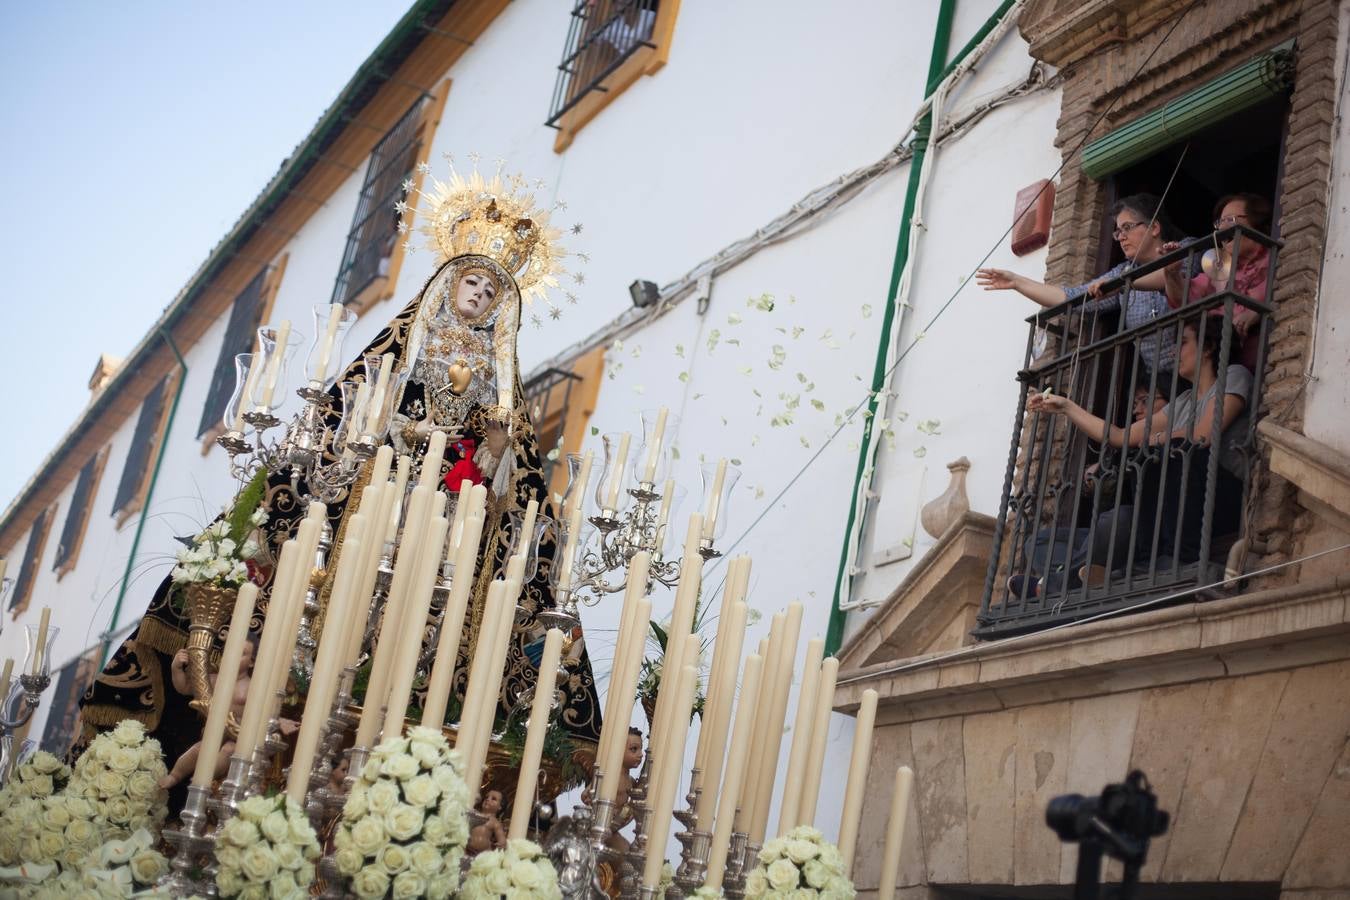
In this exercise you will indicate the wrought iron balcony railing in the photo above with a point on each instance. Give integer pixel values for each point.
(601, 35)
(1118, 495)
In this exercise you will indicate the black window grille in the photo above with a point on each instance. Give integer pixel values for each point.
(142, 446)
(78, 514)
(1137, 508)
(600, 36)
(374, 233)
(37, 538)
(245, 318)
(547, 396)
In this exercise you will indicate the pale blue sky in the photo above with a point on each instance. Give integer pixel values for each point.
(135, 134)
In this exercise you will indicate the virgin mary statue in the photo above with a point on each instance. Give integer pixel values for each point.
(456, 341)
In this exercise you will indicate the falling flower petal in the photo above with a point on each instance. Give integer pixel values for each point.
(734, 319)
(867, 310)
(805, 442)
(713, 337)
(759, 491)
(684, 377)
(818, 404)
(797, 331)
(745, 370)
(679, 350)
(776, 356)
(920, 452)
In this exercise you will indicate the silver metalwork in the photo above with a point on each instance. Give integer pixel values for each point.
(33, 686)
(194, 849)
(733, 882)
(305, 643)
(695, 844)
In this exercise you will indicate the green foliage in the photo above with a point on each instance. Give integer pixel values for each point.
(558, 746)
(248, 501)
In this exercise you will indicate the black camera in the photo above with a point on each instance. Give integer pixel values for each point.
(1119, 823)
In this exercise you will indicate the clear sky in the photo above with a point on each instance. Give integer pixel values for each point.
(135, 134)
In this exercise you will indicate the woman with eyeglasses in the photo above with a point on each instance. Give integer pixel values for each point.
(1141, 228)
(1253, 270)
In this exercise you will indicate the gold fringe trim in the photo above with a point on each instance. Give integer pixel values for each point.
(107, 716)
(159, 635)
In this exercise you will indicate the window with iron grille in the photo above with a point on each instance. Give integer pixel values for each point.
(72, 532)
(245, 317)
(600, 36)
(374, 232)
(71, 680)
(546, 398)
(37, 539)
(143, 442)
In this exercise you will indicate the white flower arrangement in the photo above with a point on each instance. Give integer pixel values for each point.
(801, 864)
(40, 776)
(121, 867)
(215, 557)
(404, 826)
(267, 850)
(23, 809)
(519, 870)
(706, 893)
(118, 775)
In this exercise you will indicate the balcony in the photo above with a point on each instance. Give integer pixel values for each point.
(1099, 514)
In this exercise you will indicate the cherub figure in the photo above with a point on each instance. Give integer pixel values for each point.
(490, 835)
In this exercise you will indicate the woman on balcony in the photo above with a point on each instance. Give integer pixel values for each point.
(1170, 480)
(1141, 227)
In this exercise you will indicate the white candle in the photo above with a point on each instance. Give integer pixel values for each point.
(815, 762)
(738, 756)
(265, 658)
(372, 506)
(654, 447)
(419, 604)
(400, 491)
(359, 414)
(452, 622)
(222, 693)
(379, 393)
(663, 802)
(431, 462)
(478, 666)
(40, 647)
(663, 512)
(540, 709)
(895, 833)
(801, 737)
(857, 778)
(461, 514)
(487, 711)
(616, 476)
(713, 728)
(763, 711)
(527, 529)
(714, 500)
(627, 662)
(326, 351)
(773, 735)
(283, 334)
(680, 647)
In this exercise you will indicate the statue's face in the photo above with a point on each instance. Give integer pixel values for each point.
(475, 294)
(632, 751)
(492, 803)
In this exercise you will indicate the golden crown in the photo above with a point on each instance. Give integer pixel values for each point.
(496, 218)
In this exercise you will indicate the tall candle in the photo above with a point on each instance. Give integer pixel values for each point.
(763, 712)
(680, 647)
(527, 529)
(654, 446)
(632, 637)
(820, 732)
(773, 735)
(250, 382)
(663, 512)
(327, 663)
(738, 756)
(714, 500)
(895, 832)
(329, 337)
(40, 647)
(283, 335)
(461, 513)
(431, 462)
(663, 801)
(478, 666)
(256, 701)
(307, 539)
(540, 709)
(5, 675)
(801, 737)
(487, 710)
(378, 393)
(452, 621)
(364, 585)
(222, 692)
(419, 604)
(400, 491)
(384, 460)
(857, 778)
(713, 728)
(616, 475)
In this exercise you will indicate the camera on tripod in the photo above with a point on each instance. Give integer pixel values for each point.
(1119, 823)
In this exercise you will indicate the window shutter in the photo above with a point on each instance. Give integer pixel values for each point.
(78, 512)
(142, 442)
(375, 226)
(71, 681)
(37, 537)
(244, 320)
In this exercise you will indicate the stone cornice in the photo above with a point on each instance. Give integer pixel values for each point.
(1272, 629)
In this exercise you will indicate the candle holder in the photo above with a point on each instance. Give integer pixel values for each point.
(695, 844)
(733, 885)
(305, 642)
(33, 683)
(193, 849)
(334, 883)
(636, 857)
(232, 791)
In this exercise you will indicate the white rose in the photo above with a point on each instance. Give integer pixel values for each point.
(404, 822)
(382, 797)
(434, 830)
(110, 783)
(128, 733)
(288, 856)
(400, 766)
(80, 833)
(147, 866)
(275, 827)
(259, 863)
(526, 874)
(118, 810)
(840, 887)
(421, 791)
(240, 832)
(51, 845)
(229, 881)
(349, 861)
(799, 851)
(442, 887)
(301, 833)
(783, 875)
(816, 873)
(756, 884)
(370, 883)
(124, 760)
(142, 786)
(356, 805)
(45, 763)
(497, 881)
(284, 887)
(830, 856)
(368, 835)
(56, 817)
(228, 856)
(115, 853)
(424, 859)
(394, 858)
(409, 884)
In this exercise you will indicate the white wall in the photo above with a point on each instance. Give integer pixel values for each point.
(760, 103)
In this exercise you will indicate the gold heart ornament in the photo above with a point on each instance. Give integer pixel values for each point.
(460, 375)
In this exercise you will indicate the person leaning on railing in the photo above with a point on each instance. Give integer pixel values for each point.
(1253, 269)
(1141, 227)
(1186, 423)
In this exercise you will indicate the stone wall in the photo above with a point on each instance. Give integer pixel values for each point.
(1254, 769)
